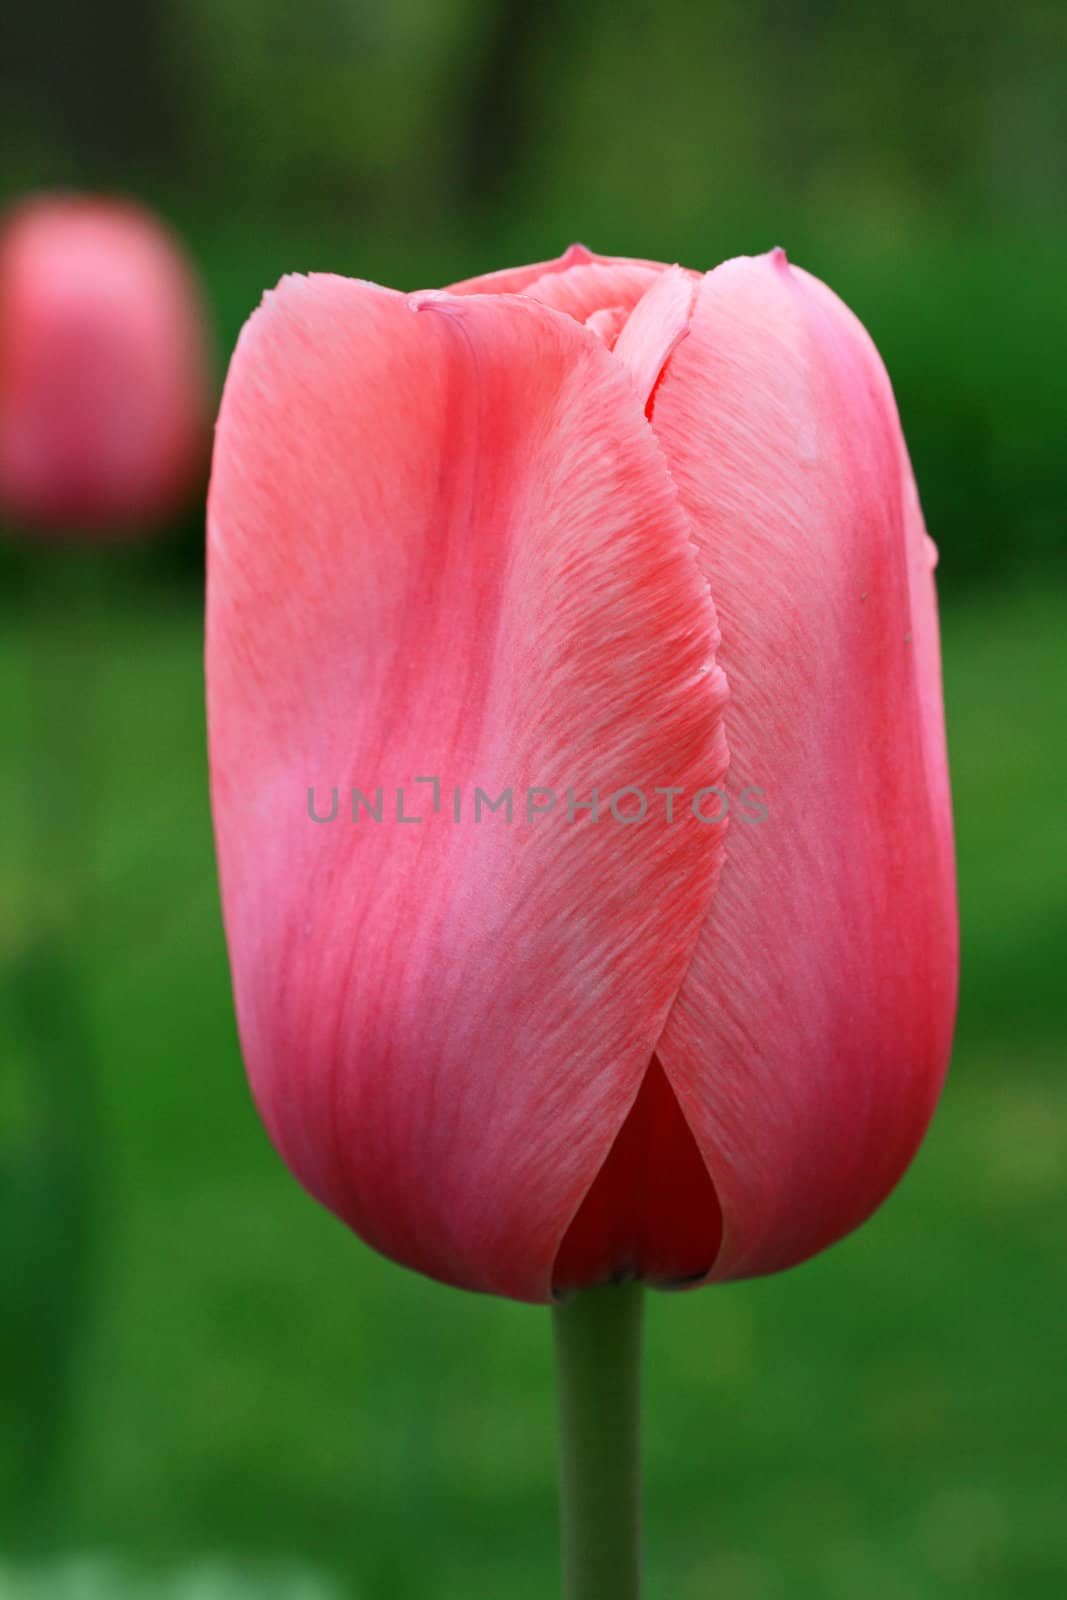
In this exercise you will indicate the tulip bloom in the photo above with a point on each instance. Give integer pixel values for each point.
(596, 524)
(104, 378)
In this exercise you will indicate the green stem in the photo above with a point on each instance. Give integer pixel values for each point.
(598, 1366)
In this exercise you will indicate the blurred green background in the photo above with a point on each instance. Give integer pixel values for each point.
(207, 1387)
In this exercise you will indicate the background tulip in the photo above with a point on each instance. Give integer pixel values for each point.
(477, 541)
(104, 389)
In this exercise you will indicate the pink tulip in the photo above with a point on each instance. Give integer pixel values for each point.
(103, 367)
(595, 524)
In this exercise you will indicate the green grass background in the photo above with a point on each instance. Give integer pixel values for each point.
(245, 1378)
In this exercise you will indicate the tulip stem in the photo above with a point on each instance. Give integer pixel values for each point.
(598, 1370)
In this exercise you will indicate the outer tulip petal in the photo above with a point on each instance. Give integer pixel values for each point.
(445, 545)
(810, 1039)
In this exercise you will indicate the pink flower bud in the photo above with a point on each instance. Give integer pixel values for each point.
(568, 531)
(104, 372)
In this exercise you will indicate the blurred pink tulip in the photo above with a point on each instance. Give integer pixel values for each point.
(104, 380)
(592, 524)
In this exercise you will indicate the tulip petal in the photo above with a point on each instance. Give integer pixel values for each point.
(657, 325)
(608, 323)
(513, 280)
(652, 1212)
(809, 1042)
(445, 545)
(584, 289)
(519, 280)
